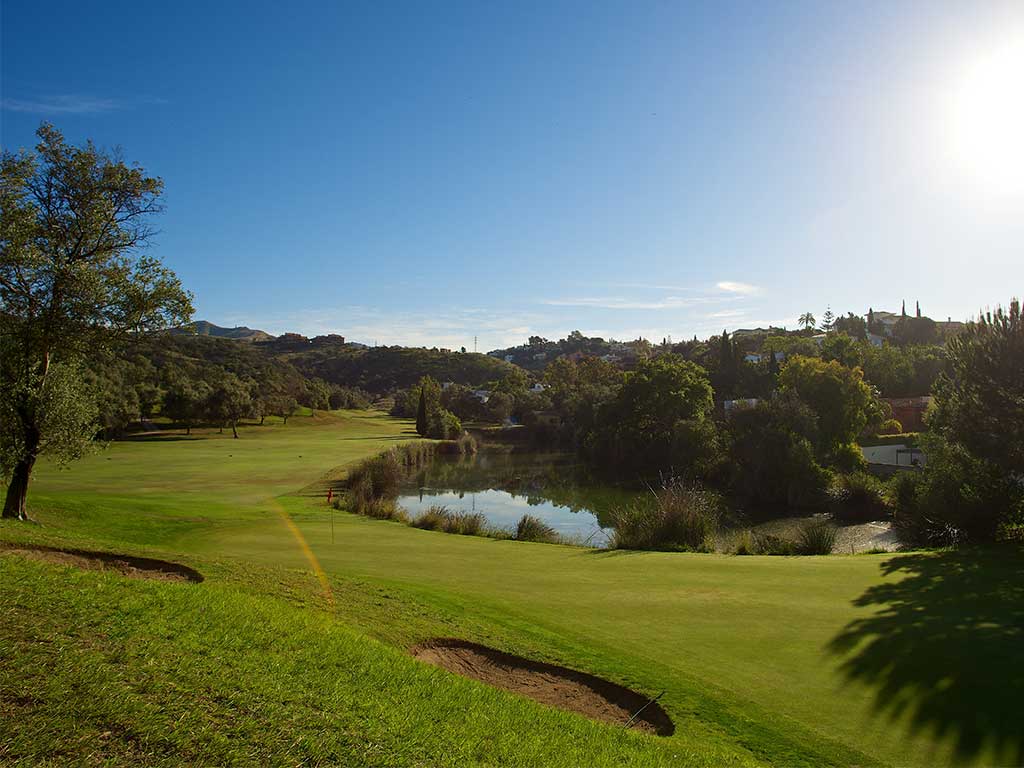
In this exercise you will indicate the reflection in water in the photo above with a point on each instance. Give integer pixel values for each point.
(504, 486)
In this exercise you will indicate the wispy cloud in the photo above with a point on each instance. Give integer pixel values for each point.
(669, 302)
(615, 302)
(72, 104)
(744, 289)
(730, 314)
(67, 104)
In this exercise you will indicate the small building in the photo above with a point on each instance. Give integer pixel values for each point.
(875, 340)
(752, 357)
(537, 388)
(483, 395)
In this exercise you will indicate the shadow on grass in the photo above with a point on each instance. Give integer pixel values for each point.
(159, 437)
(404, 436)
(945, 647)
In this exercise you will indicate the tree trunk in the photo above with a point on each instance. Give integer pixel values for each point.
(17, 492)
(262, 417)
(234, 432)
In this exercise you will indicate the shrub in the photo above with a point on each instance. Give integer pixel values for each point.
(444, 425)
(433, 518)
(464, 445)
(385, 509)
(745, 544)
(530, 528)
(360, 492)
(680, 517)
(890, 427)
(415, 455)
(848, 457)
(378, 476)
(439, 518)
(817, 537)
(465, 523)
(957, 499)
(858, 497)
(770, 544)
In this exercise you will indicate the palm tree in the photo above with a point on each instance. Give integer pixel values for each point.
(807, 320)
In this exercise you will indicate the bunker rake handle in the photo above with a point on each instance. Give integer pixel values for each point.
(645, 706)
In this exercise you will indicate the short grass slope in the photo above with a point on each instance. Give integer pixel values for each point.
(294, 647)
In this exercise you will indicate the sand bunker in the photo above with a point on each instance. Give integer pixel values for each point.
(129, 565)
(549, 684)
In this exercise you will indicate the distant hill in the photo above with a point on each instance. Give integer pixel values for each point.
(239, 333)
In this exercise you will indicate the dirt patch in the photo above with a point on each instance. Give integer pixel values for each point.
(549, 684)
(129, 565)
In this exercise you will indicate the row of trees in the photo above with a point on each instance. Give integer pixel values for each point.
(660, 418)
(896, 371)
(226, 383)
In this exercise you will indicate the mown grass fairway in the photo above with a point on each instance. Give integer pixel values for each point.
(908, 660)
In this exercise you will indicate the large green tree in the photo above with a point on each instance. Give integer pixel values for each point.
(638, 427)
(979, 400)
(185, 401)
(838, 395)
(230, 401)
(73, 280)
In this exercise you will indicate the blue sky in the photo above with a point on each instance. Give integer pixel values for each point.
(425, 172)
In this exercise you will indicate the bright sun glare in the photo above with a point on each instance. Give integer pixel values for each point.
(987, 121)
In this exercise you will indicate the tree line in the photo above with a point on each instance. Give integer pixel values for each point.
(201, 380)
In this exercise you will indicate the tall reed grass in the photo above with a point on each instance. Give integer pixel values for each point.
(679, 516)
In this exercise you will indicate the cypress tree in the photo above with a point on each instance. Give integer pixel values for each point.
(421, 414)
(727, 365)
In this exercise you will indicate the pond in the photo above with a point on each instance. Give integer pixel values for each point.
(506, 483)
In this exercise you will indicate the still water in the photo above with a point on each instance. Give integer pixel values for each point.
(555, 487)
(505, 485)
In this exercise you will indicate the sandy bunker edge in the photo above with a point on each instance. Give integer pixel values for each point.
(549, 684)
(129, 565)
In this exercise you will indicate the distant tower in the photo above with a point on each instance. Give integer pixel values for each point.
(904, 310)
(474, 345)
(919, 309)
